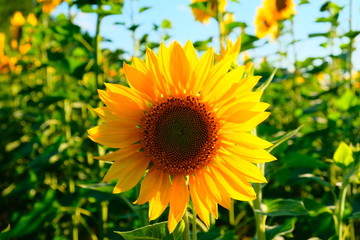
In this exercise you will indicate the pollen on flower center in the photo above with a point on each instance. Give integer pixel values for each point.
(179, 135)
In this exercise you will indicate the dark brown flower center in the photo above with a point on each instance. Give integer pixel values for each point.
(281, 4)
(179, 135)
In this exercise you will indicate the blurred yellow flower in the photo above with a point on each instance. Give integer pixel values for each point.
(229, 18)
(2, 43)
(265, 24)
(300, 80)
(17, 19)
(31, 19)
(14, 43)
(24, 48)
(280, 9)
(49, 5)
(212, 6)
(231, 49)
(185, 122)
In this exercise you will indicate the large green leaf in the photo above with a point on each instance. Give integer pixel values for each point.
(280, 230)
(284, 207)
(343, 155)
(157, 231)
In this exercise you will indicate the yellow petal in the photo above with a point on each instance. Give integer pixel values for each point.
(122, 105)
(201, 210)
(155, 73)
(216, 74)
(120, 154)
(114, 135)
(236, 92)
(239, 117)
(246, 139)
(179, 198)
(158, 203)
(179, 67)
(216, 191)
(149, 186)
(191, 55)
(241, 168)
(230, 108)
(206, 198)
(139, 81)
(239, 190)
(199, 77)
(126, 92)
(164, 61)
(225, 84)
(129, 174)
(106, 114)
(247, 125)
(255, 155)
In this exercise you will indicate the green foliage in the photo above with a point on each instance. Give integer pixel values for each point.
(51, 185)
(156, 231)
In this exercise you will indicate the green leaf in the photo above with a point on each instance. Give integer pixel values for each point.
(166, 24)
(352, 34)
(157, 231)
(30, 222)
(229, 27)
(355, 215)
(102, 187)
(318, 180)
(316, 207)
(263, 86)
(326, 35)
(284, 207)
(280, 230)
(343, 155)
(284, 138)
(304, 2)
(202, 45)
(247, 41)
(143, 9)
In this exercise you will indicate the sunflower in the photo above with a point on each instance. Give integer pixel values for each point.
(186, 123)
(280, 9)
(49, 5)
(265, 24)
(206, 9)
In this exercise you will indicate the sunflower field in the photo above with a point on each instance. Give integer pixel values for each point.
(191, 119)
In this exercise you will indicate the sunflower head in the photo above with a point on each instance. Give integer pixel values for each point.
(185, 123)
(17, 19)
(31, 19)
(283, 9)
(2, 43)
(49, 5)
(203, 10)
(265, 24)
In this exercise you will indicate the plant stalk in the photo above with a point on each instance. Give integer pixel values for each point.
(186, 233)
(340, 212)
(194, 228)
(98, 50)
(260, 219)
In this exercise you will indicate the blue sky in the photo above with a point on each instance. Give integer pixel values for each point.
(185, 28)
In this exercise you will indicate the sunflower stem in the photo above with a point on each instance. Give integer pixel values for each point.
(97, 49)
(222, 32)
(194, 237)
(340, 213)
(260, 219)
(186, 232)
